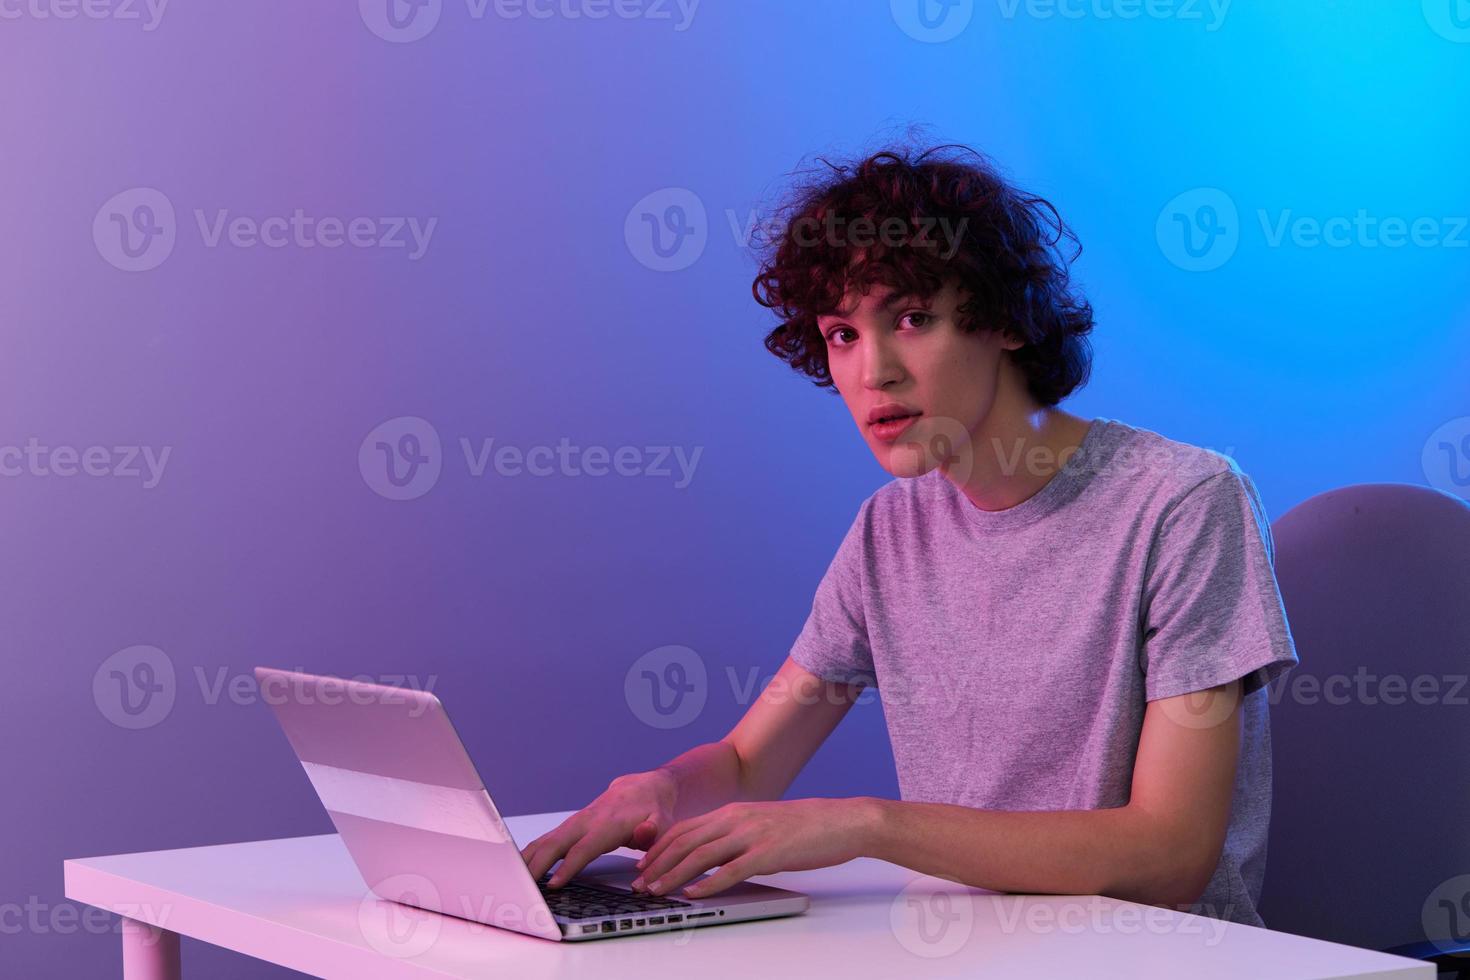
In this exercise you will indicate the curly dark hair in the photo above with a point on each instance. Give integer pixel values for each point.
(996, 243)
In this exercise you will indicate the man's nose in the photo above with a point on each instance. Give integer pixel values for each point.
(881, 365)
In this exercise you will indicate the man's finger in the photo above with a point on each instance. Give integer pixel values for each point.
(680, 852)
(731, 873)
(593, 845)
(671, 837)
(700, 860)
(551, 846)
(644, 835)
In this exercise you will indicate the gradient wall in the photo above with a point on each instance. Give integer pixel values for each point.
(247, 246)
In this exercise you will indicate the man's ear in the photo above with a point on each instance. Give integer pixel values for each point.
(1009, 340)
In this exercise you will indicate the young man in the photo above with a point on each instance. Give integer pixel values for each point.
(1069, 622)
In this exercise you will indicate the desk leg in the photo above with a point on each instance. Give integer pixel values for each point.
(149, 953)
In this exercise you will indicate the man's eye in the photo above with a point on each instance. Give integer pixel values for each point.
(924, 318)
(831, 337)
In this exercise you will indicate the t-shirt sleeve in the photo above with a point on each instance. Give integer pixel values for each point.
(1212, 608)
(834, 642)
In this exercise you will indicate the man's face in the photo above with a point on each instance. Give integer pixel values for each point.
(884, 349)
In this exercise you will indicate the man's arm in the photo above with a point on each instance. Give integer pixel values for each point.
(757, 760)
(767, 748)
(1159, 849)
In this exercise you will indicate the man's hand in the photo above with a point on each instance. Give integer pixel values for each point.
(754, 839)
(631, 812)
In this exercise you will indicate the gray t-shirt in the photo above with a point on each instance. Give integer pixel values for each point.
(1013, 650)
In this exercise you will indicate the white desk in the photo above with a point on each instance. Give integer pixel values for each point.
(301, 903)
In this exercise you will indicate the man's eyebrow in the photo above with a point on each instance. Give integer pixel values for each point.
(893, 300)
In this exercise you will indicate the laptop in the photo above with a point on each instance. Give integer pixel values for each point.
(423, 831)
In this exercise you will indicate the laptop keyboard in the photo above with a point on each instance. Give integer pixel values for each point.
(583, 900)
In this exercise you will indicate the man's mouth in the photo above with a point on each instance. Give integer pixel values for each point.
(889, 427)
(890, 412)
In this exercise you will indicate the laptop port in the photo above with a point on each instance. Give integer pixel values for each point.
(701, 915)
(625, 924)
(638, 922)
(589, 928)
(675, 918)
(655, 920)
(608, 927)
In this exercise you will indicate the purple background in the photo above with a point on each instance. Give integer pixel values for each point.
(531, 318)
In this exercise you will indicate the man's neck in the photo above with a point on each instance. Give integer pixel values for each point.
(1016, 452)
